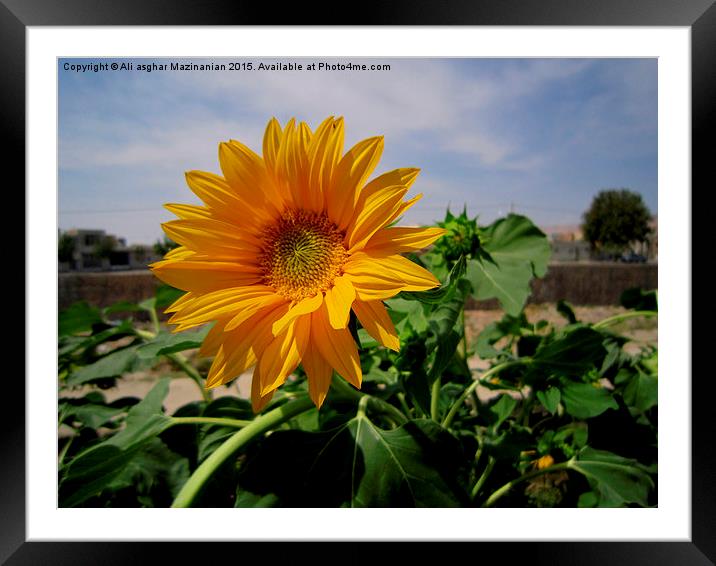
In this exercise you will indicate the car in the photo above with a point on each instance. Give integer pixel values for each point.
(632, 257)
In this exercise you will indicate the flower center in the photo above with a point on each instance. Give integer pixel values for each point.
(303, 254)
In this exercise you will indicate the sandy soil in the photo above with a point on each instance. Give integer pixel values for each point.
(183, 390)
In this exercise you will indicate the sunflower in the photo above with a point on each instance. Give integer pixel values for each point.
(284, 247)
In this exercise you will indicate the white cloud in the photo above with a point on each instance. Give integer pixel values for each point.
(421, 102)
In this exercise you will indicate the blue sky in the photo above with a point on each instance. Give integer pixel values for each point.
(541, 136)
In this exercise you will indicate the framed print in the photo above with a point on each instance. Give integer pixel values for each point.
(109, 107)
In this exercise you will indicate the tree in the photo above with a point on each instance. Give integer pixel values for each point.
(105, 247)
(66, 248)
(616, 219)
(162, 247)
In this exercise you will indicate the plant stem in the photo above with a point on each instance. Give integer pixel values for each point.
(483, 478)
(64, 450)
(182, 362)
(210, 420)
(374, 403)
(464, 334)
(624, 316)
(497, 494)
(403, 403)
(192, 372)
(362, 404)
(466, 393)
(435, 400)
(155, 320)
(257, 427)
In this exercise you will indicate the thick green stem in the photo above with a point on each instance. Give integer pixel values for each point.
(624, 316)
(435, 400)
(497, 494)
(466, 393)
(259, 426)
(483, 478)
(236, 423)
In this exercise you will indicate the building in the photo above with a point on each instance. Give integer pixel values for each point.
(95, 250)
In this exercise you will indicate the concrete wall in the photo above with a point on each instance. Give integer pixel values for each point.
(582, 283)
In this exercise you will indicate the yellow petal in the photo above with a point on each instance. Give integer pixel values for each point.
(219, 239)
(180, 252)
(283, 354)
(180, 303)
(375, 214)
(187, 211)
(403, 208)
(216, 304)
(350, 175)
(376, 321)
(304, 307)
(205, 276)
(405, 177)
(251, 307)
(338, 302)
(323, 155)
(292, 165)
(319, 373)
(258, 401)
(383, 277)
(213, 340)
(271, 143)
(247, 176)
(391, 241)
(222, 200)
(241, 347)
(337, 347)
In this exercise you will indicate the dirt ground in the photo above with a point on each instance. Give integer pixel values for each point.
(183, 390)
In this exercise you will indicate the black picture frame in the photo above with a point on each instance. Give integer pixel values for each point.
(699, 15)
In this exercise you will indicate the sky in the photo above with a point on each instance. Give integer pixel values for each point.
(540, 137)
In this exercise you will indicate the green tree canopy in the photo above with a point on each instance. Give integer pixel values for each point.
(105, 246)
(616, 218)
(162, 247)
(65, 247)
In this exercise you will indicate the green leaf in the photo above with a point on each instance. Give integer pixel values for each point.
(573, 353)
(549, 398)
(444, 354)
(166, 295)
(410, 312)
(247, 499)
(641, 390)
(89, 414)
(616, 481)
(566, 310)
(93, 470)
(113, 364)
(212, 436)
(442, 293)
(121, 306)
(585, 400)
(166, 343)
(72, 344)
(502, 409)
(375, 374)
(638, 299)
(515, 251)
(78, 318)
(356, 465)
(155, 474)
